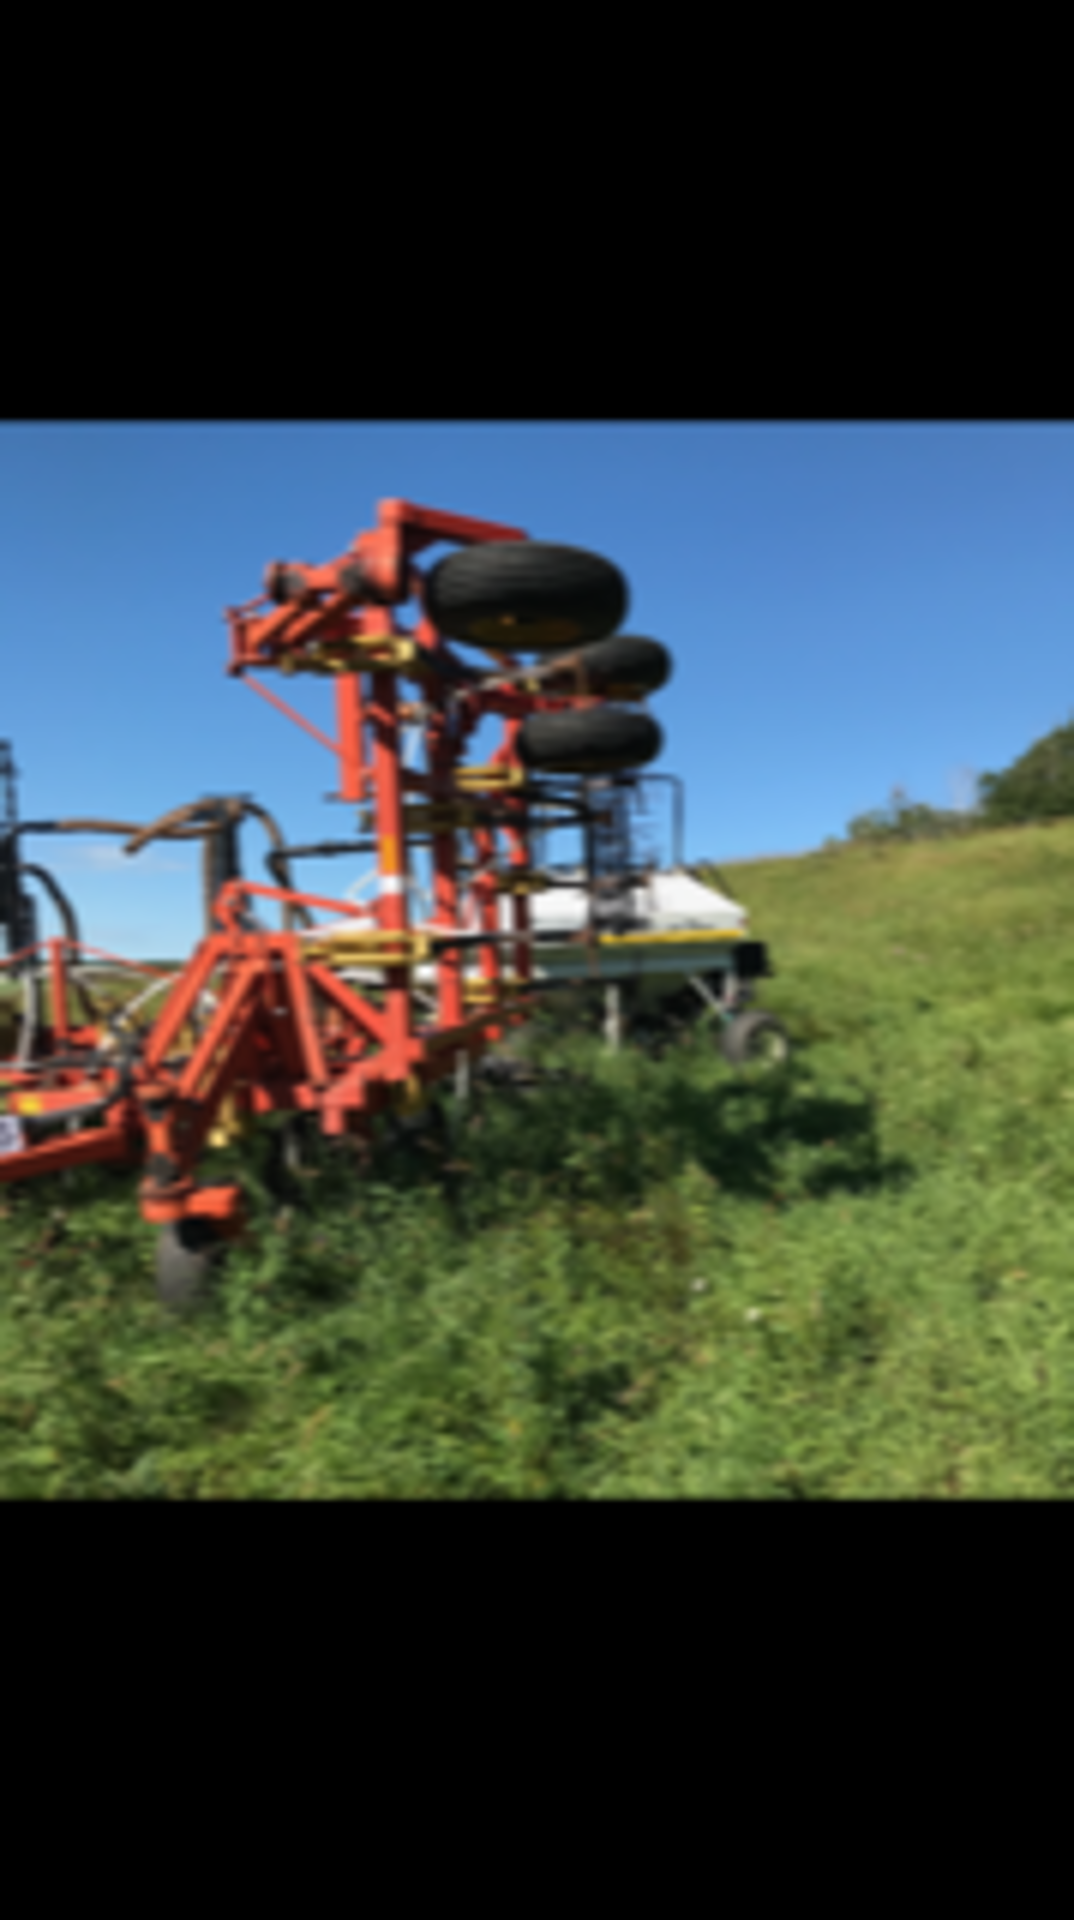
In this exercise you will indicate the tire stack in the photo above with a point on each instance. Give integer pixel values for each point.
(563, 604)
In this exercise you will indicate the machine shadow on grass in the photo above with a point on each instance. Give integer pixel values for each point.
(511, 1149)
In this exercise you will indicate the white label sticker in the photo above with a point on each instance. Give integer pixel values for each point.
(12, 1139)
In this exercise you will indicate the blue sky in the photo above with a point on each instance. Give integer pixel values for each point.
(849, 607)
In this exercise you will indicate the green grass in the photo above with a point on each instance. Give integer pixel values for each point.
(855, 1280)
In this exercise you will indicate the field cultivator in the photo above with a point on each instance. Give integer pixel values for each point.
(361, 1013)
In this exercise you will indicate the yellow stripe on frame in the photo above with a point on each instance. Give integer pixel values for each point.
(670, 939)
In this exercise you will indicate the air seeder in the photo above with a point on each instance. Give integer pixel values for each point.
(348, 1011)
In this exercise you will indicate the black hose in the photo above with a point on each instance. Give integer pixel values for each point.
(291, 909)
(70, 926)
(231, 812)
(276, 861)
(200, 819)
(59, 900)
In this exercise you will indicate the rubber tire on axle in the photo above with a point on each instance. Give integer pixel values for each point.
(518, 596)
(187, 1253)
(623, 666)
(595, 740)
(745, 1040)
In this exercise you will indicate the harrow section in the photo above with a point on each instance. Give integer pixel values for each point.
(324, 1017)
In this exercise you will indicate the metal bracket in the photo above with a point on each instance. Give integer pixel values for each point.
(378, 947)
(490, 779)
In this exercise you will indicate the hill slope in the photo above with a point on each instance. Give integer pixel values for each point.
(857, 1280)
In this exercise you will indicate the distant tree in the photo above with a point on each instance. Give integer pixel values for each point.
(876, 825)
(904, 819)
(1038, 786)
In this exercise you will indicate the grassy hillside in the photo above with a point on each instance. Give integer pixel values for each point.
(857, 1280)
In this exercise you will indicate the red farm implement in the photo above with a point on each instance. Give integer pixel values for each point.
(347, 1017)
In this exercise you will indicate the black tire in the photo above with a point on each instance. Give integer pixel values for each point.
(187, 1253)
(623, 667)
(755, 1039)
(519, 596)
(596, 740)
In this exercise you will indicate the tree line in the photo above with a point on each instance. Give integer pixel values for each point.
(1037, 786)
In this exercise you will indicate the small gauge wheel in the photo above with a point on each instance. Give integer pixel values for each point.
(755, 1039)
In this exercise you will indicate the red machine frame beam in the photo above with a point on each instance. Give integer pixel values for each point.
(50, 1156)
(183, 999)
(350, 719)
(229, 903)
(309, 1039)
(358, 1012)
(298, 718)
(245, 981)
(422, 526)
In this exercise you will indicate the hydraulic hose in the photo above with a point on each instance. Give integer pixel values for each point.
(291, 911)
(161, 828)
(190, 822)
(59, 900)
(71, 931)
(78, 826)
(276, 861)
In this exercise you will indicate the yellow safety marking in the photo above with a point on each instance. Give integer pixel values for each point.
(409, 1096)
(374, 650)
(226, 1125)
(29, 1103)
(387, 649)
(469, 779)
(380, 948)
(479, 992)
(670, 939)
(389, 854)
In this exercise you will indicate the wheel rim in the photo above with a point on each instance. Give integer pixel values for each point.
(769, 1047)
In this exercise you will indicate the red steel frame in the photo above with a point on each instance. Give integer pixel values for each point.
(287, 1033)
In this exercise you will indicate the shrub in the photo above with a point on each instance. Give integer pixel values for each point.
(903, 819)
(1038, 786)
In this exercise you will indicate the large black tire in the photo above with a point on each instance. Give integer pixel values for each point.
(595, 740)
(518, 596)
(623, 667)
